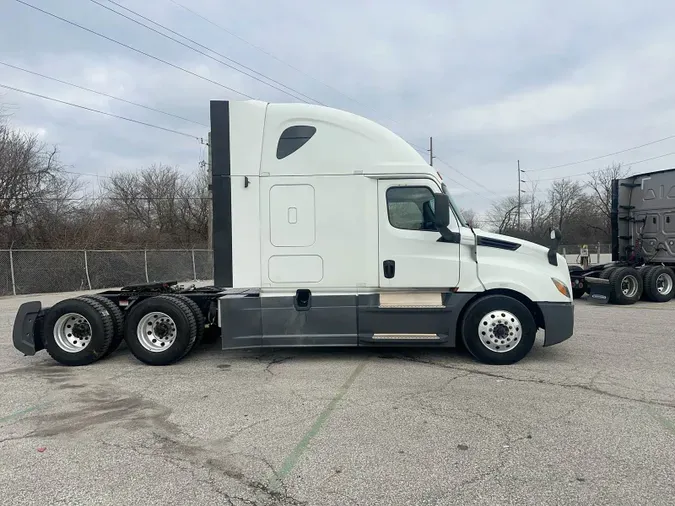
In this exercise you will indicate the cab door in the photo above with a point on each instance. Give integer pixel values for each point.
(412, 254)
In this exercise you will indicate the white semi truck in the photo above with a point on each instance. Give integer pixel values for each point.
(328, 230)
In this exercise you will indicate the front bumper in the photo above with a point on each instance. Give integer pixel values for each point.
(27, 323)
(558, 321)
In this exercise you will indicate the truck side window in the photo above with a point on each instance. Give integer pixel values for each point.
(293, 138)
(411, 207)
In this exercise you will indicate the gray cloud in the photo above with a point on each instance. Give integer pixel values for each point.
(493, 82)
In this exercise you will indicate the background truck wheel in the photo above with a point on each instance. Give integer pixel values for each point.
(644, 271)
(625, 285)
(498, 329)
(607, 271)
(658, 284)
(117, 317)
(160, 330)
(577, 293)
(578, 290)
(77, 331)
(199, 317)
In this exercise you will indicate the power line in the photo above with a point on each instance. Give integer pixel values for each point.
(264, 51)
(189, 72)
(99, 112)
(178, 67)
(417, 147)
(201, 52)
(101, 93)
(98, 199)
(603, 156)
(467, 177)
(98, 34)
(600, 170)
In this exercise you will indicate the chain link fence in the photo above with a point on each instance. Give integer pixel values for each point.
(43, 271)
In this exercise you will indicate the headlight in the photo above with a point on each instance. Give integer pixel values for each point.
(562, 287)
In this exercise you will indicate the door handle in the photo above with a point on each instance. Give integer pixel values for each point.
(389, 267)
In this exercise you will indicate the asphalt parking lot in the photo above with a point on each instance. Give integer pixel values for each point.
(589, 421)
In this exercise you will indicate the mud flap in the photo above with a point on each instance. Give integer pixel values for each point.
(598, 290)
(26, 335)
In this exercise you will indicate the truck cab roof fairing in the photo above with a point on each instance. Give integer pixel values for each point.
(334, 142)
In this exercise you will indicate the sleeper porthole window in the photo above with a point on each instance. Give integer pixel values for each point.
(293, 138)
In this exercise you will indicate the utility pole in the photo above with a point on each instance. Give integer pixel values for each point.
(431, 151)
(520, 192)
(519, 203)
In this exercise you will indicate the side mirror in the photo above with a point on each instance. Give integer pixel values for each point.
(556, 237)
(441, 211)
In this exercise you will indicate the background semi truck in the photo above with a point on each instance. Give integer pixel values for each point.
(643, 244)
(328, 230)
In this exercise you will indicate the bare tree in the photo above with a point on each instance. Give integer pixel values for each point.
(564, 199)
(600, 184)
(536, 212)
(31, 180)
(471, 217)
(193, 212)
(160, 205)
(504, 215)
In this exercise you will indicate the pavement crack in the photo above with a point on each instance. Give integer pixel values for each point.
(586, 387)
(276, 361)
(15, 438)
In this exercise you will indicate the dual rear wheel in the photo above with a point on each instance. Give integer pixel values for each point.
(159, 330)
(655, 283)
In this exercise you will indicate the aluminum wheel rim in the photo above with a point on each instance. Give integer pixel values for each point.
(156, 332)
(664, 283)
(629, 286)
(500, 331)
(72, 332)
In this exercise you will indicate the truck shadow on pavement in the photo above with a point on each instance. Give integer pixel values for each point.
(447, 357)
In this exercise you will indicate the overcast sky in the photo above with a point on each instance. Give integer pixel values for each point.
(492, 81)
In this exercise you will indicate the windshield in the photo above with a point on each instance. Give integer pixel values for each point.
(453, 206)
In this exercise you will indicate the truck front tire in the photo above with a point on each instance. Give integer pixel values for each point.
(77, 331)
(160, 330)
(498, 329)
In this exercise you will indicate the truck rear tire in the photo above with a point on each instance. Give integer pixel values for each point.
(197, 313)
(117, 317)
(625, 286)
(658, 284)
(498, 330)
(77, 331)
(160, 330)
